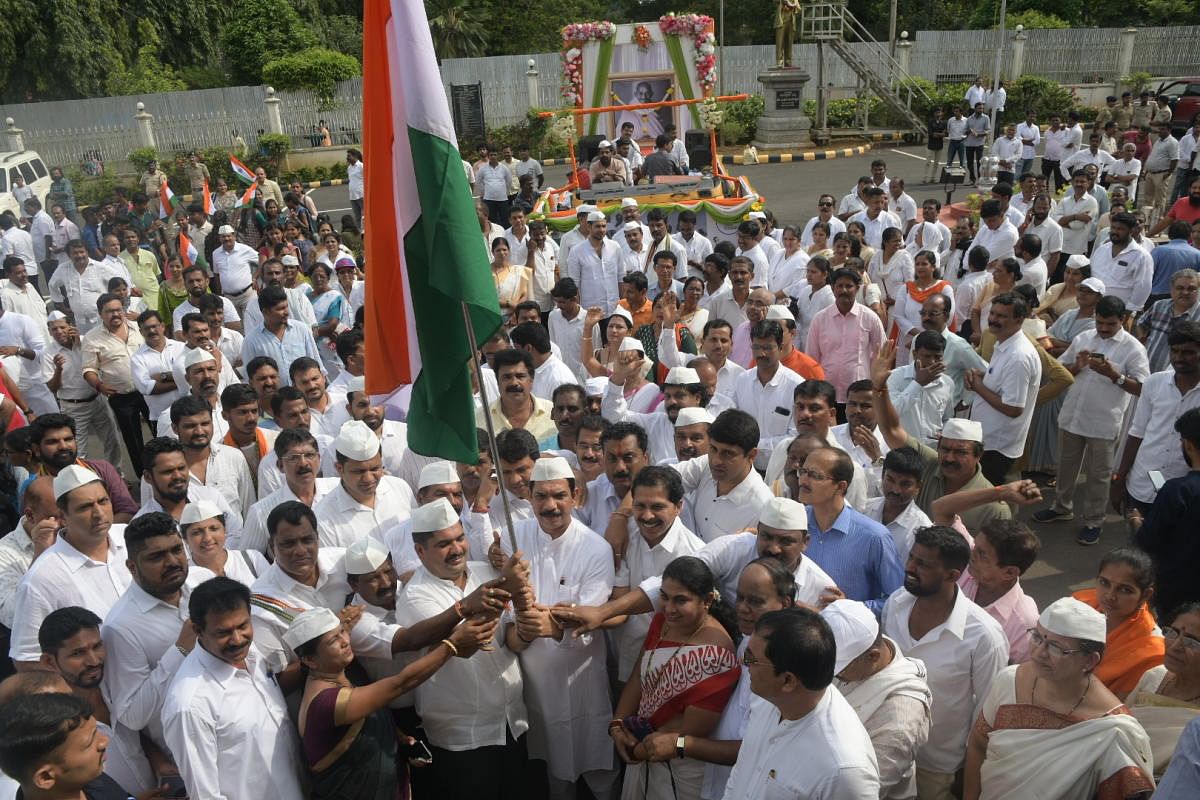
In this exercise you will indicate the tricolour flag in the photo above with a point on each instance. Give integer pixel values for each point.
(425, 250)
(187, 251)
(210, 206)
(166, 200)
(241, 170)
(247, 198)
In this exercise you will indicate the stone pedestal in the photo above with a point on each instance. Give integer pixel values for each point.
(783, 125)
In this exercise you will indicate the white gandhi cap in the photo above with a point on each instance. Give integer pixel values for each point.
(854, 628)
(437, 472)
(436, 516)
(630, 343)
(365, 556)
(197, 356)
(356, 384)
(55, 315)
(198, 512)
(72, 477)
(693, 416)
(783, 514)
(1070, 617)
(682, 376)
(552, 468)
(357, 441)
(595, 216)
(595, 386)
(968, 430)
(628, 202)
(1093, 283)
(309, 625)
(1078, 261)
(225, 229)
(290, 261)
(585, 208)
(623, 313)
(757, 215)
(780, 312)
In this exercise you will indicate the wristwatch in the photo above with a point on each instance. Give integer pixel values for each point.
(679, 742)
(1121, 381)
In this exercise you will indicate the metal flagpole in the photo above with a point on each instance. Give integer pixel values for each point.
(996, 70)
(487, 418)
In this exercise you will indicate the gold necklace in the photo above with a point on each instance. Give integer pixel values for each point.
(1033, 691)
(648, 686)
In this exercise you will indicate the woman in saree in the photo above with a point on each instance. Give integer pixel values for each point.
(820, 240)
(346, 731)
(332, 311)
(512, 280)
(1050, 728)
(906, 314)
(690, 312)
(171, 292)
(1123, 590)
(813, 294)
(1167, 697)
(1062, 297)
(685, 676)
(598, 362)
(665, 316)
(891, 268)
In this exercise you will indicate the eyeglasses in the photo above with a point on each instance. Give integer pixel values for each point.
(1055, 648)
(824, 205)
(1190, 642)
(749, 659)
(296, 458)
(805, 472)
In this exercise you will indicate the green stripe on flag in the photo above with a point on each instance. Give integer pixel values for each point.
(447, 266)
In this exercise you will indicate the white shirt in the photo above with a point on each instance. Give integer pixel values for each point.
(1015, 373)
(19, 243)
(976, 94)
(568, 335)
(658, 426)
(962, 656)
(139, 638)
(875, 227)
(147, 364)
(697, 248)
(904, 207)
(25, 301)
(41, 226)
(494, 181)
(999, 242)
(939, 244)
(195, 493)
(1051, 234)
(60, 577)
(788, 273)
(233, 267)
(770, 404)
(470, 702)
(545, 269)
(922, 409)
(229, 730)
(903, 528)
(639, 563)
(228, 473)
(220, 426)
(1035, 273)
(1132, 167)
(1075, 233)
(254, 530)
(836, 226)
(354, 174)
(186, 307)
(712, 516)
(872, 471)
(343, 520)
(25, 333)
(16, 554)
(597, 276)
(1029, 136)
(73, 386)
(1008, 150)
(1128, 275)
(824, 755)
(1095, 406)
(569, 704)
(553, 373)
(1102, 159)
(81, 291)
(1159, 405)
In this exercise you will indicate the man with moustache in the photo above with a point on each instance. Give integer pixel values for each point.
(921, 392)
(1185, 209)
(143, 638)
(35, 532)
(393, 436)
(197, 335)
(224, 718)
(859, 435)
(73, 652)
(958, 356)
(366, 502)
(152, 366)
(1041, 224)
(897, 508)
(517, 406)
(845, 336)
(755, 309)
(691, 434)
(55, 443)
(568, 411)
(681, 389)
(263, 375)
(326, 415)
(569, 704)
(290, 410)
(1125, 268)
(589, 453)
(58, 578)
(624, 447)
(202, 377)
(63, 367)
(595, 266)
(195, 280)
(960, 644)
(764, 393)
(210, 463)
(298, 459)
(171, 485)
(439, 479)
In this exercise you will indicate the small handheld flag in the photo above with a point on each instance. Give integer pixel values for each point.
(210, 205)
(187, 251)
(247, 199)
(241, 170)
(166, 200)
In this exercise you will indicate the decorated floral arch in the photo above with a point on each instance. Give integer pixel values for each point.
(673, 59)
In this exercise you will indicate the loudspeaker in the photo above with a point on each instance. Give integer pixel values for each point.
(696, 142)
(587, 146)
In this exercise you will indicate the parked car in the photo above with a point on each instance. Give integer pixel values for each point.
(1183, 96)
(29, 165)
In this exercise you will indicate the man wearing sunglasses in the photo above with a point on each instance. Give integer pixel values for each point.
(825, 204)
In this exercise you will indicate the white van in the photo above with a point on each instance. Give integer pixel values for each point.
(28, 164)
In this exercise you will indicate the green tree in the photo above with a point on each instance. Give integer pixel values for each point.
(147, 74)
(259, 31)
(316, 69)
(457, 28)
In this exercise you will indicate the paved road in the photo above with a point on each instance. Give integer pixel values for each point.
(791, 191)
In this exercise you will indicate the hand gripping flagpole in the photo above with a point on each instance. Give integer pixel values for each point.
(493, 448)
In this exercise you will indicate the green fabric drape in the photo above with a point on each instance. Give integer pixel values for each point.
(603, 65)
(675, 51)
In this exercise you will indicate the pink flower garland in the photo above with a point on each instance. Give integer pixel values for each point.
(698, 27)
(574, 36)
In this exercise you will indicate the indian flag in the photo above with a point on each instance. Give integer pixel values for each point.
(166, 200)
(427, 255)
(188, 253)
(210, 206)
(241, 170)
(247, 198)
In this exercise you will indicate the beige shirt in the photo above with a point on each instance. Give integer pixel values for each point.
(109, 357)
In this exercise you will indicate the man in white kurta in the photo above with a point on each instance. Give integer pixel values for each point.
(569, 704)
(366, 502)
(224, 718)
(297, 459)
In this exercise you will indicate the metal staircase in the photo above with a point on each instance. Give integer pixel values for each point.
(833, 24)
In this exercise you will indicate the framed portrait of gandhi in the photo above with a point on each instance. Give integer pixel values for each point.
(652, 87)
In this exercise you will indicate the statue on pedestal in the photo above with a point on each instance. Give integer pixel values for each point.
(787, 14)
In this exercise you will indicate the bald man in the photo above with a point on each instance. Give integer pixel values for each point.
(32, 535)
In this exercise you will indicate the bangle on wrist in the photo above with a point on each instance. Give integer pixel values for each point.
(182, 651)
(450, 646)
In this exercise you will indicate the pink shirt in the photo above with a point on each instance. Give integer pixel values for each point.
(844, 344)
(740, 352)
(1015, 611)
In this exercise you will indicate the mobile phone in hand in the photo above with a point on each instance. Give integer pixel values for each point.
(173, 787)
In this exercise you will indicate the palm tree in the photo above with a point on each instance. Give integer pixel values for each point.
(457, 30)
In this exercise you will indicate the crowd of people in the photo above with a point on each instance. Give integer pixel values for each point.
(750, 526)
